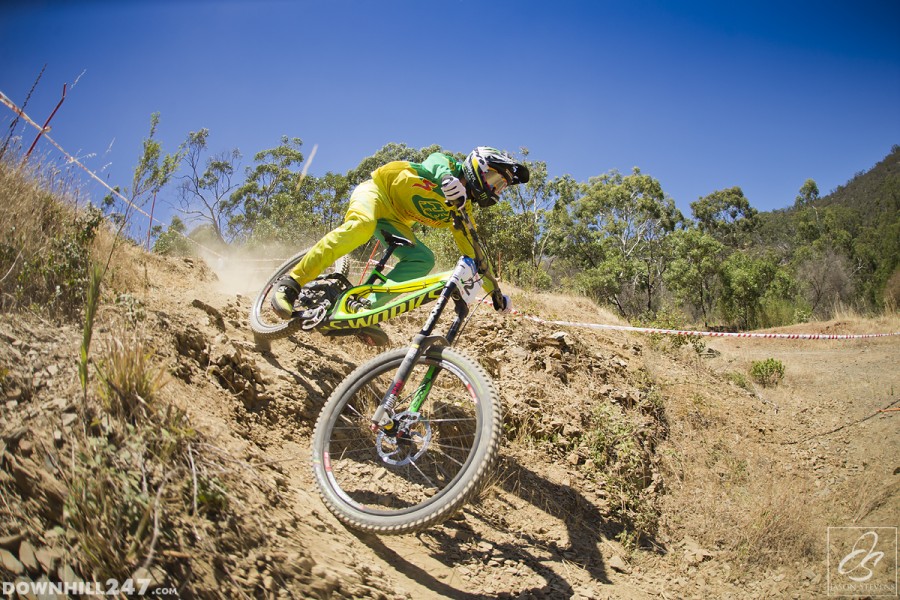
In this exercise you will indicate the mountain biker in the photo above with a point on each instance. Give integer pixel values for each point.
(399, 194)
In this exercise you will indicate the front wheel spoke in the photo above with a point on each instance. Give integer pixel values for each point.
(454, 420)
(353, 454)
(466, 438)
(442, 452)
(424, 476)
(355, 415)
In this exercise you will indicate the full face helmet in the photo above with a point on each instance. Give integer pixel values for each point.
(488, 172)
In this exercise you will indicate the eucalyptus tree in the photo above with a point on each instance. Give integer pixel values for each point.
(726, 215)
(388, 153)
(153, 171)
(694, 270)
(205, 189)
(531, 228)
(617, 230)
(264, 206)
(809, 193)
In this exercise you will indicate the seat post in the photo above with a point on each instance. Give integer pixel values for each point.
(393, 242)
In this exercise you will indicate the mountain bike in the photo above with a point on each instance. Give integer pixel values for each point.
(410, 436)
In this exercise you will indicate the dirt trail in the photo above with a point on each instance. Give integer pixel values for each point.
(829, 407)
(718, 456)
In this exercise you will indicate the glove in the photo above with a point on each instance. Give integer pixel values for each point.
(506, 307)
(454, 191)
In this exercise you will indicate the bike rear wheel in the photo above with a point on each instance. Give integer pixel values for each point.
(376, 483)
(266, 325)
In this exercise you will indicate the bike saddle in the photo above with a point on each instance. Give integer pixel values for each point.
(395, 240)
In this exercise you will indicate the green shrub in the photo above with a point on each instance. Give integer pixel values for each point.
(619, 451)
(738, 379)
(778, 312)
(767, 372)
(667, 319)
(173, 241)
(527, 276)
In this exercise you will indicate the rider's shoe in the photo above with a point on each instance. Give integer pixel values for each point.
(286, 292)
(373, 335)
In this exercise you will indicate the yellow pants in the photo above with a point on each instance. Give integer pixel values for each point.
(369, 212)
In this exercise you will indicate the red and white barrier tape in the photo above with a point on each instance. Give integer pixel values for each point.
(777, 336)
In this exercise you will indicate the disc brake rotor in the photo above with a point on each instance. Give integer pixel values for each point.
(411, 442)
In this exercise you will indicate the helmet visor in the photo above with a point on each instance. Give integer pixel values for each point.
(495, 182)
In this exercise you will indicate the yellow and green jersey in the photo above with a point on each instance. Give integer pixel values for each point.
(414, 191)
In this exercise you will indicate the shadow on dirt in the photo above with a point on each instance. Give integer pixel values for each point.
(455, 544)
(586, 525)
(317, 377)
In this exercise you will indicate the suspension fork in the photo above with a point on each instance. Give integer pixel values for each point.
(420, 344)
(428, 380)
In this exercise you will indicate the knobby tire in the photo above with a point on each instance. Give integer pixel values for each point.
(455, 444)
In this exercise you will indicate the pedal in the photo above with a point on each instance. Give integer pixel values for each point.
(311, 317)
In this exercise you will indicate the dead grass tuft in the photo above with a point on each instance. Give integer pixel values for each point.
(773, 525)
(129, 379)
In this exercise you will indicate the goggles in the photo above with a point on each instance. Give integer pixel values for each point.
(495, 182)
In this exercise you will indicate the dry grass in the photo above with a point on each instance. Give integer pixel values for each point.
(45, 242)
(561, 307)
(773, 524)
(755, 476)
(138, 482)
(129, 379)
(730, 501)
(846, 321)
(886, 322)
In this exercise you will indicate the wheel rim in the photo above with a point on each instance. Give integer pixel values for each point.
(265, 316)
(383, 475)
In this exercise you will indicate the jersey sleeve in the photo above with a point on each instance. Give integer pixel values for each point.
(439, 164)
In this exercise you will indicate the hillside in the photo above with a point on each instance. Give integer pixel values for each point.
(842, 248)
(630, 469)
(874, 194)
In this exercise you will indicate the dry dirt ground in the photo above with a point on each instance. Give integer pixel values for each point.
(733, 485)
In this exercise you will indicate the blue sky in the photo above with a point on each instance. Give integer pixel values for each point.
(700, 95)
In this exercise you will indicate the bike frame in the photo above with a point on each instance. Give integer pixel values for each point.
(415, 293)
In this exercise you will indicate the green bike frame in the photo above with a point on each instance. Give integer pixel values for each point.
(413, 294)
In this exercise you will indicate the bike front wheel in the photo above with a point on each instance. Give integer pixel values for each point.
(266, 325)
(411, 481)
